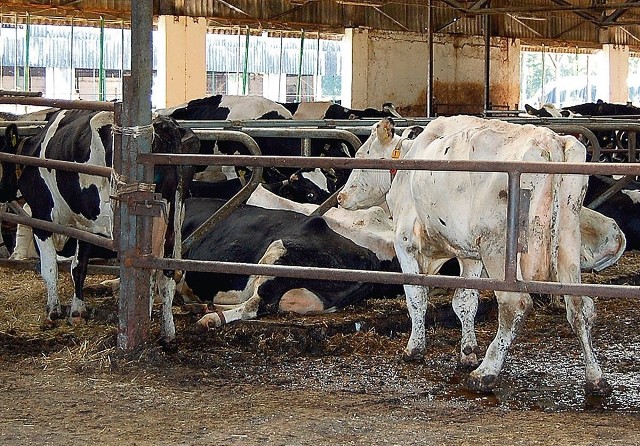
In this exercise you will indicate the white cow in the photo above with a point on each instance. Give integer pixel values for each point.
(440, 215)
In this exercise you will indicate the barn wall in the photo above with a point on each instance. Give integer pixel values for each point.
(386, 67)
(392, 67)
(181, 60)
(459, 74)
(618, 58)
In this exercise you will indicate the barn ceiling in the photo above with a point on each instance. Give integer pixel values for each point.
(593, 21)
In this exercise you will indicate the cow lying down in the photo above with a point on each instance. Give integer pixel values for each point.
(371, 229)
(267, 236)
(440, 215)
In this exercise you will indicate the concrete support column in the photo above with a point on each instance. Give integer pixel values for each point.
(355, 72)
(618, 57)
(182, 71)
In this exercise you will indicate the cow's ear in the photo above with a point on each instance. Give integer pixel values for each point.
(11, 136)
(386, 130)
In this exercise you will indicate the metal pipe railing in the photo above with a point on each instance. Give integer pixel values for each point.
(349, 275)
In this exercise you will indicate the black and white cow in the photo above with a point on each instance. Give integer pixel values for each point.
(304, 186)
(83, 201)
(229, 107)
(623, 206)
(254, 234)
(330, 110)
(607, 139)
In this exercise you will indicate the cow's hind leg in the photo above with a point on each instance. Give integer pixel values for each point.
(49, 274)
(581, 314)
(249, 297)
(78, 309)
(465, 305)
(512, 311)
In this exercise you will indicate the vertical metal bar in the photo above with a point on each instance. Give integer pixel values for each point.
(101, 85)
(306, 147)
(316, 83)
(27, 41)
(121, 55)
(2, 54)
(280, 70)
(300, 67)
(429, 112)
(72, 77)
(245, 66)
(513, 206)
(135, 241)
(487, 60)
(632, 146)
(15, 59)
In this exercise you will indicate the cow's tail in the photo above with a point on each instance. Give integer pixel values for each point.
(568, 195)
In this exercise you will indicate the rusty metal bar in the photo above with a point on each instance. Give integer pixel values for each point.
(327, 204)
(513, 221)
(69, 166)
(584, 131)
(616, 187)
(59, 103)
(402, 164)
(237, 199)
(64, 265)
(22, 94)
(303, 133)
(135, 236)
(350, 275)
(79, 234)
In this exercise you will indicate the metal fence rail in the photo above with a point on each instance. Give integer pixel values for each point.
(512, 168)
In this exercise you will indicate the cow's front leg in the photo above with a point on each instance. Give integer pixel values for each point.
(78, 309)
(465, 305)
(249, 296)
(512, 310)
(49, 274)
(416, 296)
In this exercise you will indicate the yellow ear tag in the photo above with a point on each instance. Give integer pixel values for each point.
(395, 154)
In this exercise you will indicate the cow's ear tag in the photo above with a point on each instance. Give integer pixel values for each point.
(395, 154)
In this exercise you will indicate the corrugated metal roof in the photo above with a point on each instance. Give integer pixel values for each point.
(610, 21)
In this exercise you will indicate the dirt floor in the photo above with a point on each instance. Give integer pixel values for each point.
(328, 380)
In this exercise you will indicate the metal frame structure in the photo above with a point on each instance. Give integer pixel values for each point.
(137, 260)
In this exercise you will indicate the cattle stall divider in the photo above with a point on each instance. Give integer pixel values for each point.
(512, 168)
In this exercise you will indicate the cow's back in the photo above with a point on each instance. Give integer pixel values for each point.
(464, 213)
(67, 197)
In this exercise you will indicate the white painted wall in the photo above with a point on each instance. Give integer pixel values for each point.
(182, 73)
(618, 61)
(392, 67)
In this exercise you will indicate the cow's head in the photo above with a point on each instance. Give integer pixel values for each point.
(169, 137)
(8, 173)
(368, 187)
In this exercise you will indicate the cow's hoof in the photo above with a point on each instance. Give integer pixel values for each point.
(600, 387)
(48, 324)
(413, 355)
(55, 313)
(76, 320)
(482, 384)
(169, 345)
(469, 359)
(210, 321)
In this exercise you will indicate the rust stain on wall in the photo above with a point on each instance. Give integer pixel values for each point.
(456, 98)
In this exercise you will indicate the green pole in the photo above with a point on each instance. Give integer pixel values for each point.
(300, 67)
(26, 52)
(101, 79)
(72, 77)
(245, 66)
